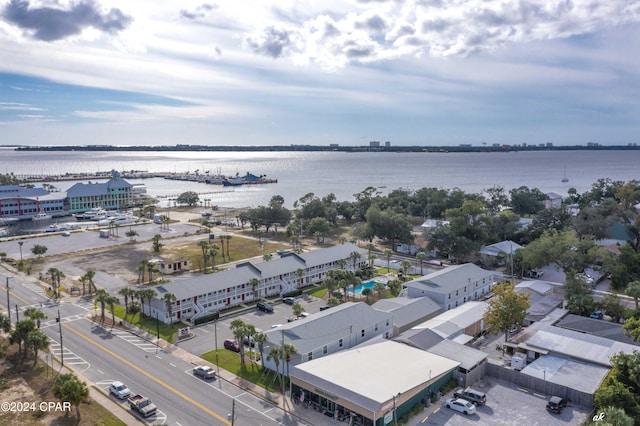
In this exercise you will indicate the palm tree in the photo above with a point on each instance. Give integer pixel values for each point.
(56, 275)
(378, 288)
(371, 257)
(239, 330)
(388, 253)
(169, 299)
(102, 297)
(366, 292)
(355, 256)
(37, 340)
(260, 339)
(204, 245)
(213, 252)
(111, 301)
(142, 269)
(35, 314)
(288, 351)
(148, 294)
(126, 292)
(300, 275)
(405, 265)
(90, 274)
(227, 238)
(421, 256)
(275, 354)
(342, 263)
(254, 283)
(83, 281)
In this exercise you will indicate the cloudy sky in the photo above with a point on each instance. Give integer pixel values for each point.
(248, 72)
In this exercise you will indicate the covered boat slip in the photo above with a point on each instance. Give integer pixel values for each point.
(367, 383)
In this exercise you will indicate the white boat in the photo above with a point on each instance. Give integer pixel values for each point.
(40, 216)
(118, 219)
(95, 213)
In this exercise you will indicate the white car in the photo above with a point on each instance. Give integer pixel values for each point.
(586, 278)
(461, 405)
(120, 390)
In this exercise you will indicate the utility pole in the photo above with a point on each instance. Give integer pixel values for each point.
(284, 399)
(232, 416)
(215, 330)
(158, 332)
(8, 304)
(17, 318)
(61, 347)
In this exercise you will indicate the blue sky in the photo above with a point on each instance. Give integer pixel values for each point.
(415, 72)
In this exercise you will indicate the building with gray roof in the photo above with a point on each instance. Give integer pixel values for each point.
(453, 286)
(330, 331)
(203, 294)
(499, 254)
(596, 327)
(374, 384)
(23, 203)
(407, 312)
(115, 194)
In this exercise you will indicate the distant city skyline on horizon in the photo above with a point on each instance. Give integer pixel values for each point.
(414, 73)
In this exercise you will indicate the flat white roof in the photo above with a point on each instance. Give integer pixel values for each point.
(370, 375)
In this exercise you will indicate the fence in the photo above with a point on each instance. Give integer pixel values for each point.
(541, 386)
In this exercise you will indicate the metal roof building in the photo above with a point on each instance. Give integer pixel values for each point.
(371, 382)
(408, 312)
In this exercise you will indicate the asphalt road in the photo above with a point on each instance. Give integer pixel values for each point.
(104, 355)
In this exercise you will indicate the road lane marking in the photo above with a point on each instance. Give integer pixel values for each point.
(155, 379)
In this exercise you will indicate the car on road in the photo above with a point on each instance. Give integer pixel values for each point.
(232, 345)
(119, 390)
(289, 300)
(556, 404)
(461, 405)
(204, 371)
(276, 325)
(66, 234)
(471, 395)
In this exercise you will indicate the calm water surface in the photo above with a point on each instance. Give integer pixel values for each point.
(343, 174)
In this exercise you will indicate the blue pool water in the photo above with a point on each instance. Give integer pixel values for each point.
(368, 284)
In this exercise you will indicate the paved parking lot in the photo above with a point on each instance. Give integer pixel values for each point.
(506, 405)
(204, 334)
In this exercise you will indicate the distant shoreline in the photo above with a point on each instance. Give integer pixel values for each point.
(313, 148)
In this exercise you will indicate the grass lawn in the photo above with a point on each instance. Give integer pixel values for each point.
(167, 332)
(239, 248)
(319, 292)
(254, 373)
(24, 383)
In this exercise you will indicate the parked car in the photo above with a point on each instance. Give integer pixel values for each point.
(597, 315)
(461, 405)
(265, 307)
(289, 300)
(232, 345)
(586, 278)
(248, 342)
(556, 404)
(535, 273)
(204, 371)
(471, 395)
(119, 390)
(324, 308)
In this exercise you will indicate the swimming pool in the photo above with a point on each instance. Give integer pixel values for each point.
(368, 284)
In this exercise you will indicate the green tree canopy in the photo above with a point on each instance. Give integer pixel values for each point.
(507, 309)
(189, 198)
(68, 388)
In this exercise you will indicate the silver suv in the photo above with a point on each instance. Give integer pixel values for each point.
(120, 390)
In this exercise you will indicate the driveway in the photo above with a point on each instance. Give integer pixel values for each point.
(506, 405)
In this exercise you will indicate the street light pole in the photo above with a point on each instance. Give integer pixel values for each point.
(8, 304)
(61, 347)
